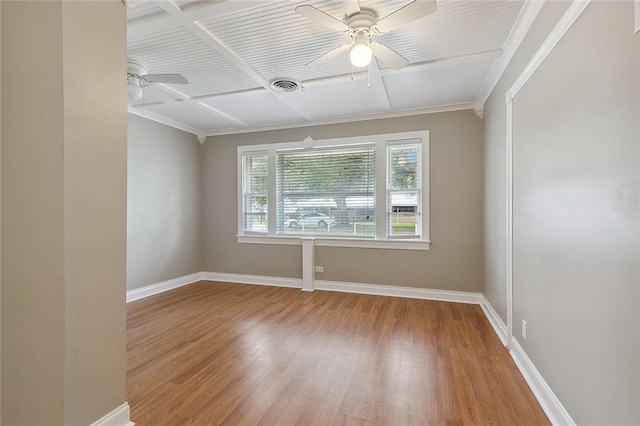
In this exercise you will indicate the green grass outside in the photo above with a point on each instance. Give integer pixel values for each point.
(401, 228)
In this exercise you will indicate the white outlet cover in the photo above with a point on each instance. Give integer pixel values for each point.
(319, 268)
(524, 329)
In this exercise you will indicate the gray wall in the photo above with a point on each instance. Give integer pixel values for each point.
(455, 259)
(164, 220)
(577, 214)
(63, 211)
(495, 131)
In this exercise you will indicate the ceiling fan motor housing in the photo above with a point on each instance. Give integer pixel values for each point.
(136, 73)
(136, 68)
(361, 23)
(135, 79)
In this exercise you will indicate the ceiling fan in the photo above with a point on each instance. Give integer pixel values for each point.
(363, 24)
(138, 78)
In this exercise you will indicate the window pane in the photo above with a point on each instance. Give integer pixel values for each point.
(254, 193)
(403, 214)
(326, 192)
(404, 166)
(255, 169)
(255, 213)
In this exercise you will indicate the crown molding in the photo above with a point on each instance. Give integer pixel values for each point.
(523, 23)
(162, 120)
(351, 119)
(562, 27)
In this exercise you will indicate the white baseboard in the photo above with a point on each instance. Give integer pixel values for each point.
(150, 290)
(117, 417)
(551, 405)
(346, 287)
(549, 402)
(252, 279)
(494, 319)
(359, 288)
(397, 291)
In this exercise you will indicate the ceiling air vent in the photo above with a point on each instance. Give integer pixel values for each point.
(285, 85)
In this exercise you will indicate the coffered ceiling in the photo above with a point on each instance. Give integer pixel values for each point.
(230, 51)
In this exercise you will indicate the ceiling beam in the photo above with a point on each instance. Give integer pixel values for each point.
(165, 91)
(415, 67)
(325, 81)
(488, 55)
(375, 80)
(222, 114)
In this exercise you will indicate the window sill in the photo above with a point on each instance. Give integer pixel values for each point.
(338, 242)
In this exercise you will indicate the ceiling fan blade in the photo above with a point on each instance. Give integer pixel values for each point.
(412, 11)
(329, 55)
(321, 17)
(166, 78)
(390, 57)
(351, 6)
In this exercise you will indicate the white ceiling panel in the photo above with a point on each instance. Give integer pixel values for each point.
(230, 50)
(177, 50)
(281, 42)
(347, 98)
(277, 42)
(442, 86)
(457, 28)
(138, 10)
(256, 109)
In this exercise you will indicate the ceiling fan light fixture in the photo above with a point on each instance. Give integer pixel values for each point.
(134, 92)
(138, 78)
(360, 55)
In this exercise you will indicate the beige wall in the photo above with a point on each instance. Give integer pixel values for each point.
(455, 259)
(95, 212)
(164, 220)
(0, 214)
(32, 215)
(63, 211)
(577, 214)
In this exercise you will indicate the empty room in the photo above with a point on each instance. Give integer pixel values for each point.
(327, 212)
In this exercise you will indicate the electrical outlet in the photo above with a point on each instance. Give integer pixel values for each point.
(319, 268)
(524, 329)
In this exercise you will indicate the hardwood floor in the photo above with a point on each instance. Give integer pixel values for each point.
(215, 353)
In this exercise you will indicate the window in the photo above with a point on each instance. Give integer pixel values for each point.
(404, 190)
(362, 192)
(326, 192)
(254, 192)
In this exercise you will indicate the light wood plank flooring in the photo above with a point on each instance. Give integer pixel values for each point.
(215, 353)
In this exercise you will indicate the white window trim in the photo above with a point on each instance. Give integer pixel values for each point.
(381, 241)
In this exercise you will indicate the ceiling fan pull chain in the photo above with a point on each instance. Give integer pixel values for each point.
(369, 75)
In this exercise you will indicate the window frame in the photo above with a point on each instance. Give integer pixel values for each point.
(381, 240)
